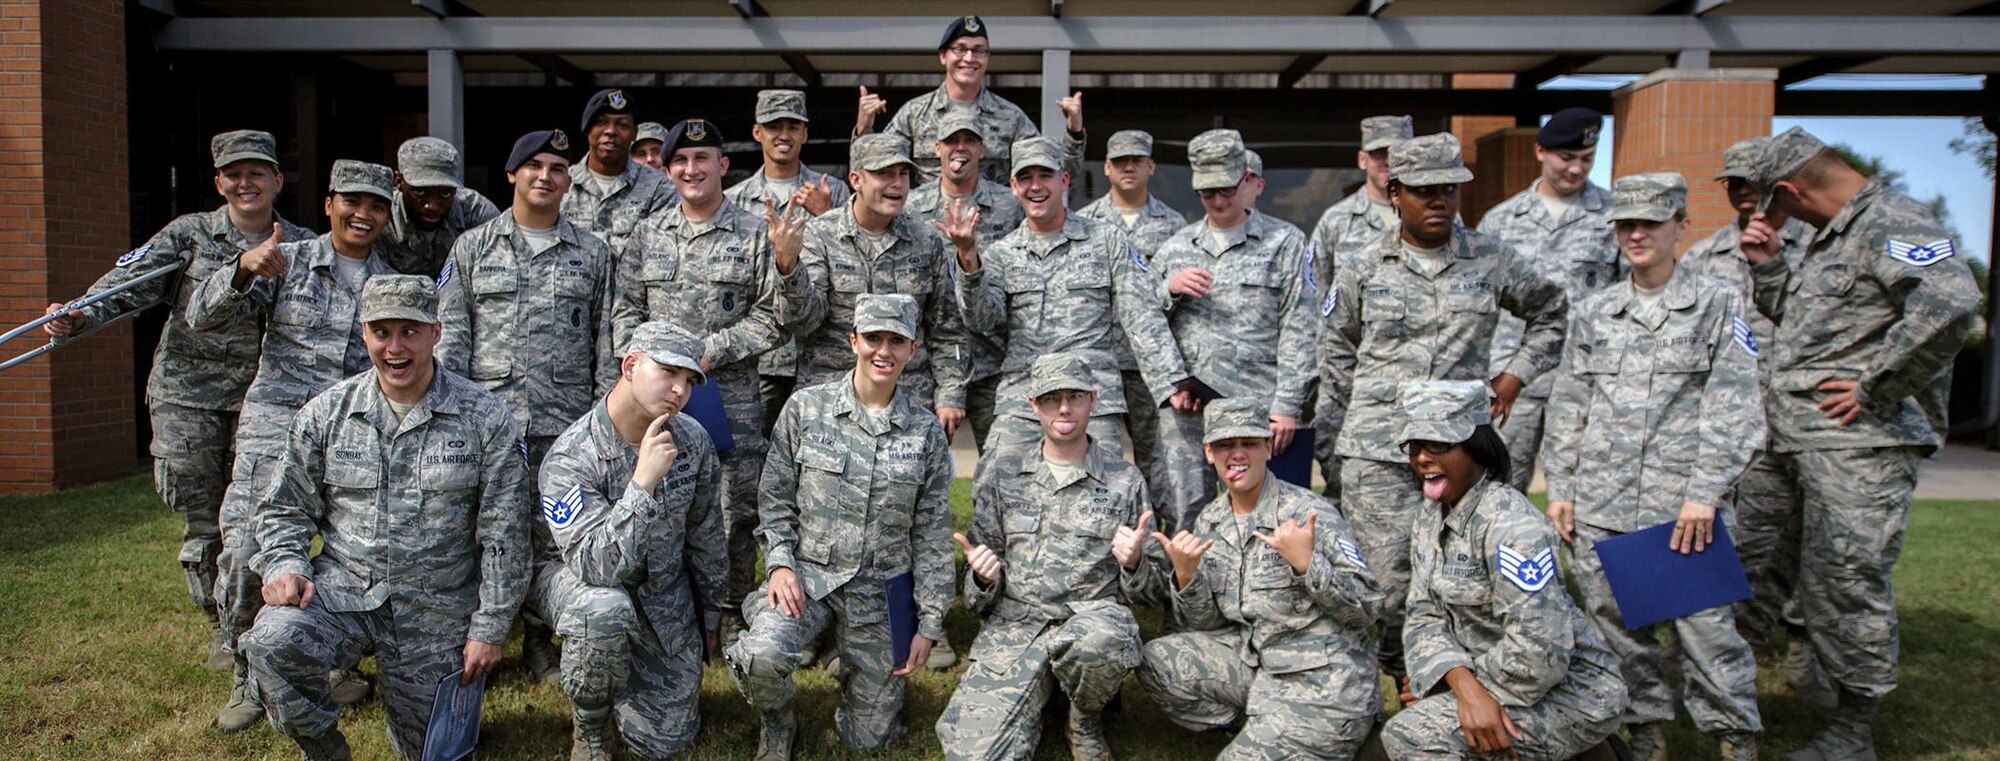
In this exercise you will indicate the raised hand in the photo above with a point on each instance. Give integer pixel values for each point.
(815, 197)
(264, 260)
(1185, 550)
(785, 225)
(1759, 241)
(656, 454)
(960, 225)
(1072, 111)
(985, 563)
(1129, 543)
(70, 322)
(871, 106)
(1294, 542)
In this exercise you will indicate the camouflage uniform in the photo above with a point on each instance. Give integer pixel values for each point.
(638, 193)
(1285, 653)
(449, 475)
(427, 162)
(1485, 596)
(716, 278)
(1879, 297)
(195, 388)
(851, 498)
(1577, 251)
(1394, 318)
(1252, 336)
(1058, 617)
(753, 190)
(1660, 406)
(840, 269)
(1001, 124)
(629, 566)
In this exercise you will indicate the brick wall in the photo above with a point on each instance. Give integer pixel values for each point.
(1506, 166)
(1473, 197)
(63, 220)
(1677, 120)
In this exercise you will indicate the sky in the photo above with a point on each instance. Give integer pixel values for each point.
(1915, 145)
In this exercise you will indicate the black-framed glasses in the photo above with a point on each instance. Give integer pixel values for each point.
(1429, 447)
(969, 51)
(1228, 192)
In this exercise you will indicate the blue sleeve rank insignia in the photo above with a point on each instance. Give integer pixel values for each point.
(134, 255)
(444, 275)
(1745, 337)
(1530, 574)
(1332, 300)
(1921, 254)
(524, 455)
(1351, 552)
(1137, 259)
(1306, 267)
(562, 511)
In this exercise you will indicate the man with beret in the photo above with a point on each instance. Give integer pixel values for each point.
(714, 268)
(872, 246)
(1146, 221)
(1240, 294)
(198, 378)
(1057, 552)
(650, 146)
(404, 444)
(1560, 225)
(526, 304)
(1868, 321)
(613, 192)
(964, 52)
(432, 207)
(308, 295)
(855, 496)
(635, 521)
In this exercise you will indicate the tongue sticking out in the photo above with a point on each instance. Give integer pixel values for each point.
(1434, 488)
(957, 163)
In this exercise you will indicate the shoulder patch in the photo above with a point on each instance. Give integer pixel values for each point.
(1306, 266)
(1917, 254)
(1332, 300)
(134, 255)
(1528, 573)
(1137, 260)
(1745, 337)
(1351, 552)
(444, 275)
(562, 511)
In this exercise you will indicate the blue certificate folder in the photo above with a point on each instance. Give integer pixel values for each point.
(705, 404)
(899, 592)
(1295, 464)
(1653, 583)
(454, 729)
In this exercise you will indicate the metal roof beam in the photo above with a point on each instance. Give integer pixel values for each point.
(1370, 8)
(1814, 67)
(1300, 67)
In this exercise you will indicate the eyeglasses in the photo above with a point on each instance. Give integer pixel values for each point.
(1054, 399)
(1229, 192)
(965, 51)
(1430, 447)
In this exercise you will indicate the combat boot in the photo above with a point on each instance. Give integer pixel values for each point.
(1649, 741)
(942, 656)
(221, 657)
(1086, 737)
(1807, 680)
(243, 710)
(350, 687)
(331, 746)
(590, 738)
(1849, 737)
(539, 653)
(1738, 746)
(777, 736)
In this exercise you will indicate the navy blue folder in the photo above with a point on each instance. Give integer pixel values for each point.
(1653, 583)
(454, 729)
(705, 404)
(1295, 464)
(899, 592)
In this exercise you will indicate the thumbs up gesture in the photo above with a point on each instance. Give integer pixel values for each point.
(1072, 110)
(1128, 543)
(264, 260)
(1293, 542)
(871, 106)
(985, 563)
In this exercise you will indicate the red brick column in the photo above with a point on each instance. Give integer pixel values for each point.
(1680, 120)
(63, 221)
(1471, 129)
(1506, 165)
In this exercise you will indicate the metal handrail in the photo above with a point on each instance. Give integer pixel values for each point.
(60, 341)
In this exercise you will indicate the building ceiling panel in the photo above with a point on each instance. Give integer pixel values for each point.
(311, 8)
(895, 64)
(588, 8)
(1846, 7)
(1520, 7)
(1440, 64)
(678, 63)
(1192, 64)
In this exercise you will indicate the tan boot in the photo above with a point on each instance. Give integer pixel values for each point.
(1739, 747)
(1849, 737)
(350, 687)
(942, 656)
(221, 657)
(590, 739)
(777, 736)
(539, 653)
(1808, 681)
(1086, 737)
(1649, 741)
(243, 710)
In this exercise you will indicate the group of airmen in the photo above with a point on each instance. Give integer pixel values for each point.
(476, 412)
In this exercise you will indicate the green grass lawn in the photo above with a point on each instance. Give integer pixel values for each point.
(101, 657)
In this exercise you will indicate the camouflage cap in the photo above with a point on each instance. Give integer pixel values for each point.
(878, 150)
(956, 121)
(1128, 142)
(1216, 156)
(350, 176)
(893, 312)
(1653, 196)
(1379, 132)
(670, 345)
(1235, 418)
(1041, 151)
(1428, 160)
(773, 105)
(1446, 411)
(651, 131)
(231, 147)
(1740, 160)
(1059, 371)
(1253, 163)
(428, 162)
(1781, 158)
(399, 297)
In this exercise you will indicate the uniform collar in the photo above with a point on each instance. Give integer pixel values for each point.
(442, 398)
(1855, 206)
(504, 226)
(604, 433)
(1460, 514)
(1096, 463)
(1678, 295)
(850, 228)
(985, 102)
(848, 405)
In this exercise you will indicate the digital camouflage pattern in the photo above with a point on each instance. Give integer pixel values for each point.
(999, 214)
(1001, 123)
(413, 250)
(636, 194)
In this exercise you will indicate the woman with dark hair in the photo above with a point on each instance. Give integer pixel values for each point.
(1500, 661)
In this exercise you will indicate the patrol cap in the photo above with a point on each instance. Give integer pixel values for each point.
(399, 297)
(651, 131)
(1446, 411)
(1216, 156)
(1653, 196)
(1571, 129)
(231, 147)
(1782, 157)
(1060, 371)
(539, 141)
(1128, 142)
(956, 121)
(1428, 160)
(1379, 132)
(428, 162)
(1740, 160)
(892, 312)
(350, 176)
(691, 133)
(963, 26)
(773, 105)
(878, 150)
(606, 101)
(1039, 151)
(1235, 418)
(670, 345)
(1253, 163)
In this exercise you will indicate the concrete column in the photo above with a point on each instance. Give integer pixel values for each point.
(1681, 120)
(1055, 86)
(446, 83)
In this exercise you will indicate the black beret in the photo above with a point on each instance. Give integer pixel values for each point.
(963, 26)
(539, 141)
(691, 133)
(1571, 128)
(612, 100)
